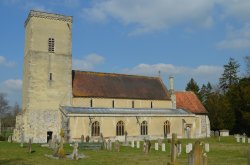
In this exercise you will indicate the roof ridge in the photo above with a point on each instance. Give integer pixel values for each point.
(110, 73)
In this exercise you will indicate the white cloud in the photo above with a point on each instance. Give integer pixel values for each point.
(12, 84)
(6, 63)
(236, 38)
(205, 72)
(88, 62)
(148, 15)
(238, 9)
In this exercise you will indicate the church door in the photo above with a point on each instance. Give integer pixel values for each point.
(49, 136)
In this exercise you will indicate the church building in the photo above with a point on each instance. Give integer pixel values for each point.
(56, 98)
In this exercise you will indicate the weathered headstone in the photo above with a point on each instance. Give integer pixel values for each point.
(148, 145)
(163, 147)
(189, 147)
(10, 139)
(156, 146)
(109, 145)
(126, 138)
(75, 154)
(159, 142)
(179, 149)
(138, 144)
(196, 156)
(206, 147)
(238, 138)
(87, 139)
(248, 140)
(217, 135)
(105, 144)
(117, 146)
(82, 138)
(30, 145)
(133, 144)
(211, 133)
(243, 139)
(144, 146)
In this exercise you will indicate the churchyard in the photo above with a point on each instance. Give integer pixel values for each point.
(227, 151)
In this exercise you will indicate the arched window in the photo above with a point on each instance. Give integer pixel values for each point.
(166, 128)
(51, 45)
(120, 128)
(95, 129)
(144, 128)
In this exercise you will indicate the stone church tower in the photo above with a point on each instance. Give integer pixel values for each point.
(47, 75)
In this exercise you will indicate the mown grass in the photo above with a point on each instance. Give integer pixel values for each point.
(225, 152)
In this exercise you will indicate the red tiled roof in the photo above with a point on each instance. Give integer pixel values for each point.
(189, 101)
(109, 85)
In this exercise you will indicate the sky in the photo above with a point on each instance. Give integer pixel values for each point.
(181, 38)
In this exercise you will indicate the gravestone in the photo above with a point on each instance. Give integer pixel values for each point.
(138, 144)
(189, 147)
(75, 154)
(105, 144)
(87, 139)
(159, 142)
(211, 133)
(173, 153)
(197, 156)
(145, 146)
(238, 138)
(156, 146)
(30, 145)
(248, 140)
(217, 135)
(126, 138)
(133, 144)
(243, 139)
(10, 139)
(163, 147)
(82, 138)
(206, 147)
(109, 145)
(178, 149)
(117, 146)
(148, 145)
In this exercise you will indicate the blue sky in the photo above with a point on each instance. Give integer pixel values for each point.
(193, 38)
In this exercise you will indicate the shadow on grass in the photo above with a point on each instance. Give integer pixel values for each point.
(11, 161)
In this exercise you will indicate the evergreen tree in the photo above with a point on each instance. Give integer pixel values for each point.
(229, 76)
(193, 86)
(247, 62)
(204, 92)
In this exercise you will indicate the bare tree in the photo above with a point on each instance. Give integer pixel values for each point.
(4, 104)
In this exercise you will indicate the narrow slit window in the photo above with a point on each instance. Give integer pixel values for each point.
(51, 45)
(113, 104)
(133, 104)
(91, 103)
(50, 77)
(151, 104)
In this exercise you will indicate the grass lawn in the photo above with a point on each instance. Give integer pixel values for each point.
(225, 152)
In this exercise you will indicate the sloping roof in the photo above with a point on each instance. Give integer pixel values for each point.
(109, 85)
(189, 101)
(123, 111)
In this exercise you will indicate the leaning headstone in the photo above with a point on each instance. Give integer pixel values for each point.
(156, 146)
(196, 156)
(82, 138)
(133, 144)
(138, 144)
(207, 147)
(163, 147)
(117, 146)
(75, 154)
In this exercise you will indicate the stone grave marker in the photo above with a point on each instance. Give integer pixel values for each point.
(243, 139)
(117, 146)
(82, 138)
(197, 156)
(189, 147)
(211, 133)
(148, 146)
(126, 138)
(248, 140)
(105, 144)
(75, 154)
(109, 145)
(10, 139)
(156, 146)
(178, 149)
(30, 145)
(163, 147)
(144, 146)
(138, 144)
(206, 147)
(87, 139)
(133, 144)
(159, 142)
(237, 138)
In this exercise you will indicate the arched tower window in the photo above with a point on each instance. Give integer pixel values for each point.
(51, 45)
(120, 128)
(144, 128)
(166, 128)
(95, 129)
